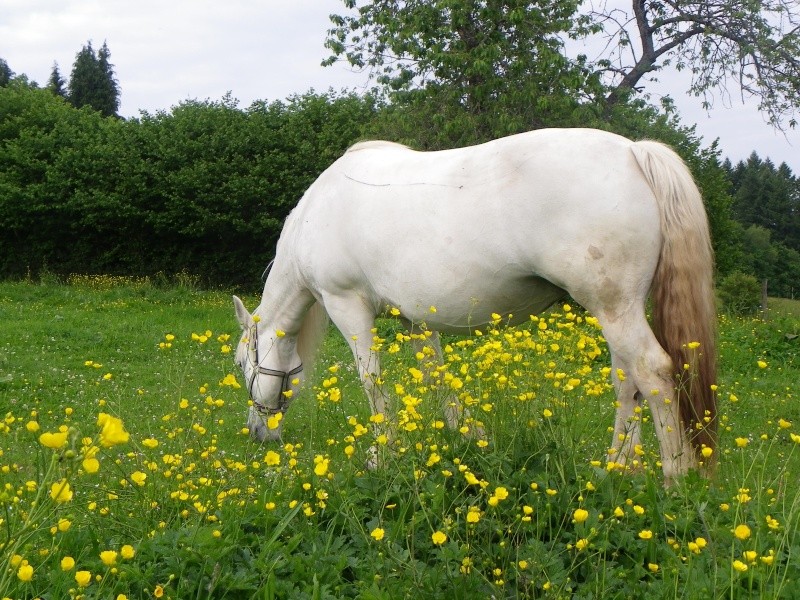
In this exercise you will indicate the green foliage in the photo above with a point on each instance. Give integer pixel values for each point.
(469, 71)
(92, 82)
(202, 189)
(740, 294)
(217, 516)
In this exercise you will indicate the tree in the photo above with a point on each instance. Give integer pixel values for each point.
(752, 44)
(56, 83)
(5, 73)
(92, 82)
(768, 197)
(498, 64)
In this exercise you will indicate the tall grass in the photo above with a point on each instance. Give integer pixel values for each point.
(147, 486)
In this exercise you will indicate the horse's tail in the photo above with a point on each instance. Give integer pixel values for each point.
(684, 308)
(312, 332)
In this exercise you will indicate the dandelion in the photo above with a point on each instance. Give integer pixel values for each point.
(439, 537)
(377, 534)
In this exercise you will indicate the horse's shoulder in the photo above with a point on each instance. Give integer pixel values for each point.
(374, 145)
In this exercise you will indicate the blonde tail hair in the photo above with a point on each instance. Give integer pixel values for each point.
(684, 308)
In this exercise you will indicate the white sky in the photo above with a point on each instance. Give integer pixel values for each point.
(166, 51)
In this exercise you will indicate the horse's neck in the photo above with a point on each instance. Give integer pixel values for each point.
(285, 301)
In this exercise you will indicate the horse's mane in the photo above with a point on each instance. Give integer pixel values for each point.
(372, 144)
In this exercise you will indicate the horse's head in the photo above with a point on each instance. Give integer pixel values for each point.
(272, 372)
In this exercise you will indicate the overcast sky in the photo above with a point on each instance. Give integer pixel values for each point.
(166, 51)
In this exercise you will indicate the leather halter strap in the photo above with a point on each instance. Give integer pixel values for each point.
(286, 379)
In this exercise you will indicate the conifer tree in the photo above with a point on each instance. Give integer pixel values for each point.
(56, 83)
(92, 82)
(5, 73)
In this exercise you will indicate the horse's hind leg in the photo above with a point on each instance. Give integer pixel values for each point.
(627, 421)
(649, 373)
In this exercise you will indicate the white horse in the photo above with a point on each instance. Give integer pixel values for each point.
(506, 227)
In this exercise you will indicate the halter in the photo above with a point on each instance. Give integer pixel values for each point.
(286, 379)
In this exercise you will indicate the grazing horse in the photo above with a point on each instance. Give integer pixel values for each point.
(509, 227)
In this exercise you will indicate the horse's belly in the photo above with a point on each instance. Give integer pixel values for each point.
(462, 306)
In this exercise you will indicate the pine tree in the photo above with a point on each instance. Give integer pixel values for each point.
(5, 73)
(56, 83)
(92, 82)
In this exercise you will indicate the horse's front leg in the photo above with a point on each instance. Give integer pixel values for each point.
(356, 323)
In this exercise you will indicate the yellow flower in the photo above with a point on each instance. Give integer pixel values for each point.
(112, 431)
(741, 442)
(646, 534)
(439, 537)
(580, 515)
(91, 465)
(582, 544)
(706, 452)
(60, 491)
(761, 364)
(109, 557)
(150, 443)
(25, 572)
(138, 477)
(652, 567)
(32, 426)
(377, 534)
(272, 458)
(742, 532)
(547, 413)
(473, 514)
(53, 440)
(739, 566)
(83, 578)
(784, 424)
(158, 592)
(67, 563)
(127, 552)
(64, 525)
(320, 465)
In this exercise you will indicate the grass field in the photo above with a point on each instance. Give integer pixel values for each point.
(125, 471)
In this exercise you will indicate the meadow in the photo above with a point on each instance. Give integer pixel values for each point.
(125, 471)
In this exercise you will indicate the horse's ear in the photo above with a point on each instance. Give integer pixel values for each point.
(242, 314)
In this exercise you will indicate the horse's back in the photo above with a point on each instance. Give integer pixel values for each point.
(421, 227)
